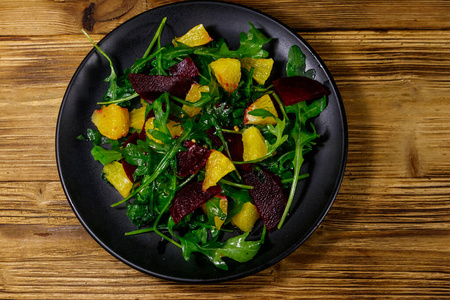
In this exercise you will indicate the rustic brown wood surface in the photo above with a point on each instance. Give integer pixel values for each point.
(388, 232)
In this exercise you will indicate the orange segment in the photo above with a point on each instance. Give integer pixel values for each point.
(116, 175)
(254, 144)
(217, 166)
(196, 36)
(112, 121)
(137, 118)
(246, 218)
(262, 68)
(175, 129)
(227, 72)
(194, 94)
(265, 102)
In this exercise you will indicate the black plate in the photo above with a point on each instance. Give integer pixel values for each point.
(90, 197)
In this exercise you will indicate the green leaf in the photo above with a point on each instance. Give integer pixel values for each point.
(261, 112)
(236, 248)
(140, 214)
(134, 155)
(239, 249)
(105, 156)
(213, 210)
(252, 43)
(296, 64)
(93, 136)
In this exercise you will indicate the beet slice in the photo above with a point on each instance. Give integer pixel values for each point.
(267, 194)
(191, 160)
(234, 142)
(185, 68)
(295, 89)
(150, 87)
(189, 198)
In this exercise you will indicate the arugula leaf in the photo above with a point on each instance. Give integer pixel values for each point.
(105, 156)
(236, 248)
(93, 136)
(135, 155)
(161, 116)
(252, 43)
(213, 210)
(140, 214)
(261, 112)
(296, 64)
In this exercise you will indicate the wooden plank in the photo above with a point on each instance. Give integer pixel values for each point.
(66, 17)
(44, 267)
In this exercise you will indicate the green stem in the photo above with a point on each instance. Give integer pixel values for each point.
(300, 177)
(254, 160)
(169, 202)
(119, 100)
(97, 47)
(174, 186)
(144, 61)
(280, 104)
(186, 181)
(298, 160)
(155, 38)
(238, 185)
(232, 131)
(139, 231)
(198, 103)
(167, 238)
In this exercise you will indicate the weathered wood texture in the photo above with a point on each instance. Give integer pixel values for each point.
(386, 236)
(23, 17)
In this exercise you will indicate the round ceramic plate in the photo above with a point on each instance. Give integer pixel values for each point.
(90, 197)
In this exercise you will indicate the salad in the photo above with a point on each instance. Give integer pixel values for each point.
(203, 145)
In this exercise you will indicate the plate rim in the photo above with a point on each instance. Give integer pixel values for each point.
(297, 243)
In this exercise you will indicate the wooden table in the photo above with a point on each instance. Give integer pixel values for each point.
(388, 232)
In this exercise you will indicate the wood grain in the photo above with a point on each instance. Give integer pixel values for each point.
(66, 17)
(387, 235)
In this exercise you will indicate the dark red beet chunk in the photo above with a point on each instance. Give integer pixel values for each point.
(185, 68)
(189, 198)
(234, 142)
(191, 160)
(235, 145)
(295, 89)
(268, 196)
(150, 87)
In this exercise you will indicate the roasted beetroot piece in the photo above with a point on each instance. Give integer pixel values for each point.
(185, 68)
(235, 145)
(213, 137)
(150, 87)
(191, 160)
(267, 194)
(234, 142)
(295, 89)
(189, 198)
